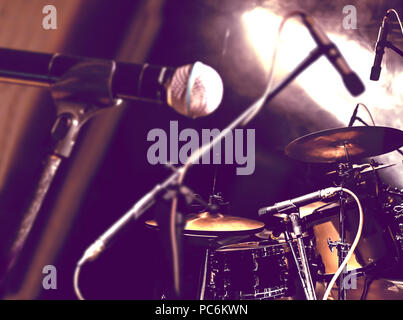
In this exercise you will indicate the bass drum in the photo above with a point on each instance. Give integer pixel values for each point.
(256, 270)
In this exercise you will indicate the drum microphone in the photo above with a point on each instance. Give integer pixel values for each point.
(380, 49)
(300, 201)
(350, 78)
(193, 90)
(354, 115)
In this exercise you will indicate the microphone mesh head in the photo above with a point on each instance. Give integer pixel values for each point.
(195, 90)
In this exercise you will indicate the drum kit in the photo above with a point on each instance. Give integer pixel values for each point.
(290, 253)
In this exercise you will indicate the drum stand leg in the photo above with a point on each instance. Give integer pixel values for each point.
(302, 266)
(342, 246)
(367, 283)
(203, 278)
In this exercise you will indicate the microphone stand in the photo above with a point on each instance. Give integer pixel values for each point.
(389, 45)
(81, 93)
(174, 180)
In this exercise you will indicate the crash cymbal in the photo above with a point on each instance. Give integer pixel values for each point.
(330, 146)
(365, 168)
(217, 223)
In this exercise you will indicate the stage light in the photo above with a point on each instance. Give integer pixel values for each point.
(321, 82)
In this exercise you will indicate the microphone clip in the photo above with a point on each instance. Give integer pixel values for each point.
(81, 93)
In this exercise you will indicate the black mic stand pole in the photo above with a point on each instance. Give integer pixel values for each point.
(81, 93)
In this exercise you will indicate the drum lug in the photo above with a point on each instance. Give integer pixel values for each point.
(338, 245)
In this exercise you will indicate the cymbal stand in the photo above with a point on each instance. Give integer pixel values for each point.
(203, 276)
(301, 263)
(341, 245)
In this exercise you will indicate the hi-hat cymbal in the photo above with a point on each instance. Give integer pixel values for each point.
(217, 223)
(330, 146)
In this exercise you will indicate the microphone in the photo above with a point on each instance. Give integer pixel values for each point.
(379, 49)
(354, 115)
(299, 202)
(350, 78)
(193, 90)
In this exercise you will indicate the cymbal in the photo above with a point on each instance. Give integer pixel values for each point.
(329, 146)
(217, 223)
(364, 168)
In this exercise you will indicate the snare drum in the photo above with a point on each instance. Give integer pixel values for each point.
(257, 270)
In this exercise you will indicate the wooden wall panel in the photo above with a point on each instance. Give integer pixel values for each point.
(21, 28)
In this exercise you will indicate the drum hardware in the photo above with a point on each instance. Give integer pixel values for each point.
(302, 264)
(348, 177)
(337, 244)
(393, 208)
(289, 209)
(342, 250)
(293, 231)
(341, 245)
(358, 171)
(203, 280)
(394, 191)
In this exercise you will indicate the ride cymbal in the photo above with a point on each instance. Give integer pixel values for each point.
(330, 146)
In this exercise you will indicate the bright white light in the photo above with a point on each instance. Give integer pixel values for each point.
(262, 28)
(321, 81)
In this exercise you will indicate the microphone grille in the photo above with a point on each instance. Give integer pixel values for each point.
(195, 90)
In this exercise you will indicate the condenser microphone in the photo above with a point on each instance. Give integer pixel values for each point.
(352, 82)
(193, 90)
(354, 115)
(380, 49)
(299, 201)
